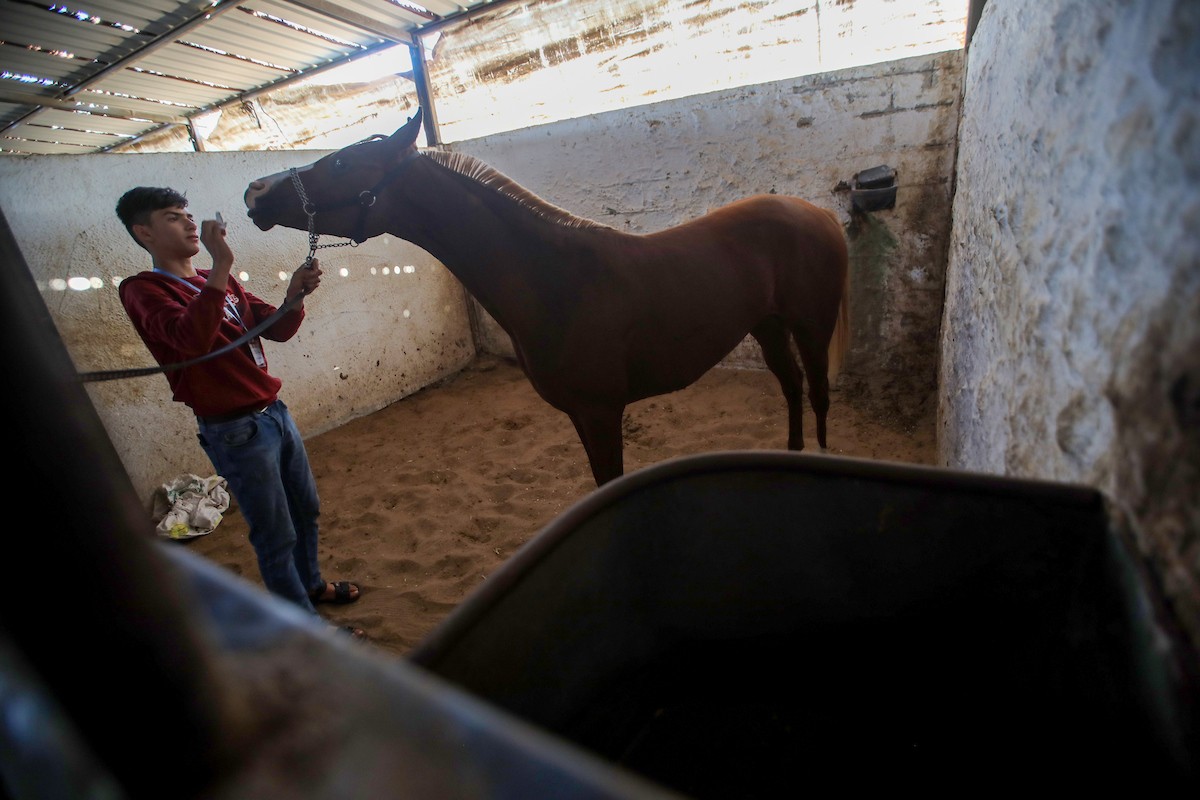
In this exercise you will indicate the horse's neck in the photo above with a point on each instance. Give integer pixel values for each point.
(484, 175)
(496, 237)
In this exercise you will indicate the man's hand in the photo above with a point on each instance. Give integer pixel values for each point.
(305, 279)
(212, 236)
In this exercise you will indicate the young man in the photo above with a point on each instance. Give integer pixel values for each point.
(183, 313)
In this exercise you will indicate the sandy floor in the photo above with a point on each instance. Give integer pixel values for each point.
(422, 500)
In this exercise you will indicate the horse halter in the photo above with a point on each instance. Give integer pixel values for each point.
(364, 199)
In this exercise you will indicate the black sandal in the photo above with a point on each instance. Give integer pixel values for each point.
(343, 592)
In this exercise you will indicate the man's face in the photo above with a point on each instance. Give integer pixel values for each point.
(171, 232)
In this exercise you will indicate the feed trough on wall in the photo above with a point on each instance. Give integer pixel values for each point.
(874, 189)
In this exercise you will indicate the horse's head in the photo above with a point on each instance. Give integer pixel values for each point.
(337, 192)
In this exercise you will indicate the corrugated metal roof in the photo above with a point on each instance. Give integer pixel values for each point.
(90, 75)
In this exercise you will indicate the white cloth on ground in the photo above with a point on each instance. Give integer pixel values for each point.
(190, 506)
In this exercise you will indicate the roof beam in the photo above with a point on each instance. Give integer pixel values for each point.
(162, 41)
(27, 99)
(466, 13)
(342, 14)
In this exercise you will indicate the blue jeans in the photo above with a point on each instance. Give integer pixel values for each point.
(264, 461)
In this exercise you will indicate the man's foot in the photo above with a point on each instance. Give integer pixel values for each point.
(353, 631)
(338, 593)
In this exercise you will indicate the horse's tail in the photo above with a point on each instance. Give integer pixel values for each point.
(840, 341)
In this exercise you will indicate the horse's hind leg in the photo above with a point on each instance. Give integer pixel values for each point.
(816, 363)
(772, 337)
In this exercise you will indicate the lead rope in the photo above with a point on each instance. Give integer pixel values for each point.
(112, 375)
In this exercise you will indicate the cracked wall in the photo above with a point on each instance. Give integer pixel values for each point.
(1071, 339)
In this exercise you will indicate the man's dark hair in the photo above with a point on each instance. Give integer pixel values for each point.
(136, 205)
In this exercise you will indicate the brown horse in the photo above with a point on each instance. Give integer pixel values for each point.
(599, 318)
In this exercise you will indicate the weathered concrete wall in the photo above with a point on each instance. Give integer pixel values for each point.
(1071, 340)
(373, 335)
(560, 59)
(654, 166)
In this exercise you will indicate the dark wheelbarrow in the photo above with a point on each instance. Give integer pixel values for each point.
(761, 624)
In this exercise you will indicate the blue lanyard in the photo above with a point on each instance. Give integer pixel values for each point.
(230, 300)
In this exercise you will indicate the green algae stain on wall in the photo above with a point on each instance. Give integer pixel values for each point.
(871, 247)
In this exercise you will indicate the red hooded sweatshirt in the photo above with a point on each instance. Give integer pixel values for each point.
(179, 323)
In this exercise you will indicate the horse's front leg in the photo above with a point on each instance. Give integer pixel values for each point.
(599, 429)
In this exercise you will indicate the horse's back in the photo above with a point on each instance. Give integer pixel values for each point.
(797, 242)
(761, 219)
(804, 219)
(759, 250)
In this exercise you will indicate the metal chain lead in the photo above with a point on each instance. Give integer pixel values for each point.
(310, 211)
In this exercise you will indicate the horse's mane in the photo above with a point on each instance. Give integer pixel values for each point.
(476, 170)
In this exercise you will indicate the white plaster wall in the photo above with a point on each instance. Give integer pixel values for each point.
(368, 338)
(1071, 340)
(561, 59)
(653, 166)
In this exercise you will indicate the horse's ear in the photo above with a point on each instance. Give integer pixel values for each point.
(406, 135)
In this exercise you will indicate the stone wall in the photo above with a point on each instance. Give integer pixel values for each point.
(1071, 337)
